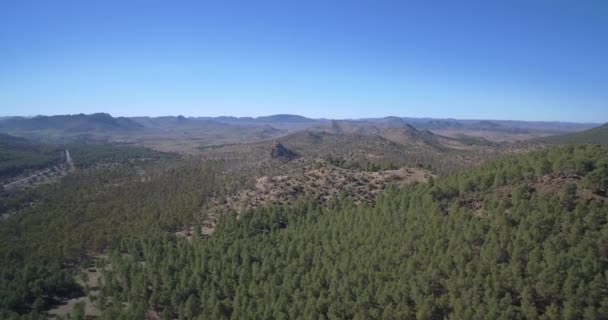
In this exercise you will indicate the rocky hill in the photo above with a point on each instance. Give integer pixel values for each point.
(278, 151)
(318, 181)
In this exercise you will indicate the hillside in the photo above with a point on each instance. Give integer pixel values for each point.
(598, 135)
(426, 251)
(401, 132)
(407, 147)
(320, 182)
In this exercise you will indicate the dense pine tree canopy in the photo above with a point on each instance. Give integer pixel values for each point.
(18, 155)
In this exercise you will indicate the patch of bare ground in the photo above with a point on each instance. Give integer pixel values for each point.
(552, 183)
(67, 308)
(318, 181)
(89, 278)
(207, 227)
(152, 315)
(321, 184)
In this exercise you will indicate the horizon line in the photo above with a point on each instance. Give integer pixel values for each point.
(303, 116)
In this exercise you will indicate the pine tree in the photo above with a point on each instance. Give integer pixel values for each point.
(79, 311)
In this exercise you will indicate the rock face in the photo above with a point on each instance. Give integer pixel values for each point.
(279, 151)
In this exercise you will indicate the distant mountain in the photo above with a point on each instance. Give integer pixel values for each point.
(229, 119)
(357, 127)
(158, 131)
(598, 135)
(288, 122)
(479, 125)
(221, 127)
(349, 133)
(283, 118)
(407, 134)
(164, 122)
(391, 128)
(364, 126)
(507, 126)
(387, 122)
(70, 123)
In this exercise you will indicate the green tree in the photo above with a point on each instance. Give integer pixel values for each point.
(79, 310)
(567, 196)
(597, 180)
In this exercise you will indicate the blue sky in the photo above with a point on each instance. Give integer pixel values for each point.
(524, 60)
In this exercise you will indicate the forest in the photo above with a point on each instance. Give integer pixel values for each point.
(485, 243)
(18, 155)
(420, 253)
(90, 210)
(88, 154)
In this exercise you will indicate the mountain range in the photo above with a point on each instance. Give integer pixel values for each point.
(276, 125)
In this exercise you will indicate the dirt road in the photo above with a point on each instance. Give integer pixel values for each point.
(44, 175)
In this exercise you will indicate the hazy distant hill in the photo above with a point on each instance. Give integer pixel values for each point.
(184, 134)
(160, 122)
(169, 133)
(347, 127)
(508, 126)
(480, 128)
(408, 134)
(598, 135)
(70, 123)
(283, 118)
(397, 147)
(182, 123)
(390, 128)
(288, 122)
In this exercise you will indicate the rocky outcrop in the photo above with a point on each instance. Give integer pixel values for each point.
(279, 151)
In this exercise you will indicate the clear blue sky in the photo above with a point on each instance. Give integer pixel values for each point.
(528, 60)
